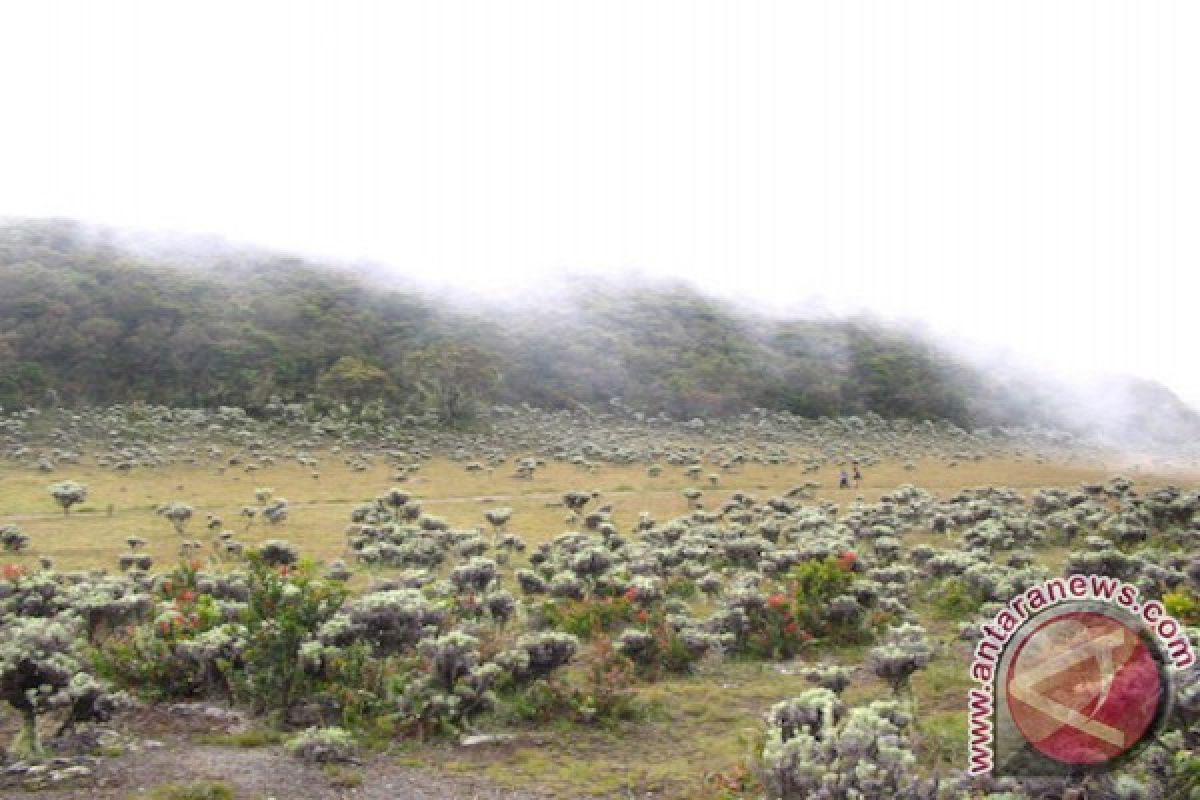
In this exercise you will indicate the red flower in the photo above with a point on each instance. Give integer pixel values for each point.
(187, 596)
(642, 617)
(12, 572)
(792, 627)
(631, 594)
(777, 601)
(284, 571)
(847, 560)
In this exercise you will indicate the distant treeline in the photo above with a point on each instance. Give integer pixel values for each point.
(97, 317)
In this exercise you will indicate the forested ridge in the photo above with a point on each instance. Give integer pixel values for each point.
(96, 316)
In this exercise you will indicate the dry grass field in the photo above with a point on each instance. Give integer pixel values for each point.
(699, 725)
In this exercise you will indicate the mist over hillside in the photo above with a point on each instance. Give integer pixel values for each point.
(105, 316)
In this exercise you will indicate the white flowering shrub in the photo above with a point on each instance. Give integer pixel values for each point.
(278, 553)
(323, 746)
(476, 575)
(905, 650)
(276, 512)
(178, 514)
(68, 494)
(391, 621)
(817, 750)
(537, 655)
(13, 539)
(38, 659)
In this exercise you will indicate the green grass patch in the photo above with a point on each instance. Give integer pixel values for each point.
(200, 790)
(257, 737)
(342, 777)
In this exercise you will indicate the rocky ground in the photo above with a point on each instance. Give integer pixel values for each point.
(152, 747)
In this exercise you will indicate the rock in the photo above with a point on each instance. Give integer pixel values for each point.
(152, 744)
(486, 738)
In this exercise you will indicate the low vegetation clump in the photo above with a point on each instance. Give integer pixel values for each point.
(200, 790)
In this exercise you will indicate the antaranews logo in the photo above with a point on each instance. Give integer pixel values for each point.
(1075, 675)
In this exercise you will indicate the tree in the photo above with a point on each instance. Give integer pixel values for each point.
(354, 382)
(453, 379)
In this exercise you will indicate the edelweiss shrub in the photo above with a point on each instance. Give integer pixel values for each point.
(904, 650)
(276, 512)
(451, 687)
(38, 659)
(177, 514)
(278, 553)
(664, 645)
(323, 745)
(12, 539)
(391, 621)
(476, 575)
(68, 493)
(817, 751)
(833, 677)
(537, 655)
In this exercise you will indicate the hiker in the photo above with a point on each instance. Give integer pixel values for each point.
(844, 480)
(857, 475)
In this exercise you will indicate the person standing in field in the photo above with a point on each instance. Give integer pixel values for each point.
(844, 480)
(857, 475)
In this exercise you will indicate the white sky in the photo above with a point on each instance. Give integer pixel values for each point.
(1022, 173)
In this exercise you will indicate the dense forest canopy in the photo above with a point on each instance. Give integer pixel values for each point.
(98, 316)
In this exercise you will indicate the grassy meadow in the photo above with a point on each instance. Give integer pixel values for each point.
(698, 727)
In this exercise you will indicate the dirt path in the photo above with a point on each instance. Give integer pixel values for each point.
(869, 493)
(164, 750)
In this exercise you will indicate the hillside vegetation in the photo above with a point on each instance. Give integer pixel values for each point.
(98, 317)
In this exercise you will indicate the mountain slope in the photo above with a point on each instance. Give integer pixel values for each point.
(101, 316)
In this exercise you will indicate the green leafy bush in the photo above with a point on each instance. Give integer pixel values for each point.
(1183, 605)
(588, 618)
(286, 608)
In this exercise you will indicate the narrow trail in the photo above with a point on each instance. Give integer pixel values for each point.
(868, 492)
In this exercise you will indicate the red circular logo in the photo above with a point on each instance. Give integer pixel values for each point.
(1083, 688)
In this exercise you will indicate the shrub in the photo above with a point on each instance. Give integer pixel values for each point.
(1183, 605)
(658, 647)
(537, 655)
(450, 687)
(903, 652)
(391, 621)
(286, 609)
(12, 539)
(68, 493)
(323, 746)
(587, 618)
(37, 661)
(814, 750)
(953, 600)
(603, 695)
(814, 585)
